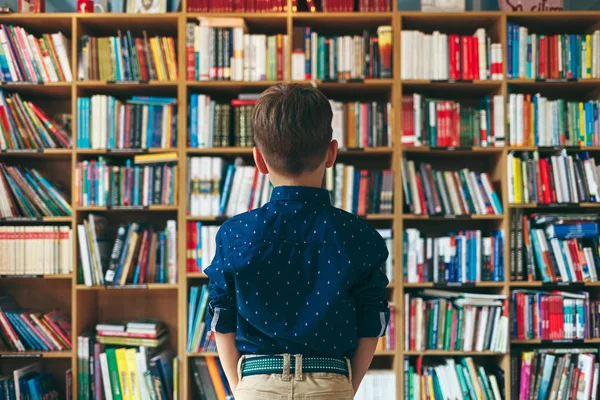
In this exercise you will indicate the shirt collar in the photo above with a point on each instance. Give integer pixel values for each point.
(301, 193)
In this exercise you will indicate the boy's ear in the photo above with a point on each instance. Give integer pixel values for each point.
(262, 166)
(331, 153)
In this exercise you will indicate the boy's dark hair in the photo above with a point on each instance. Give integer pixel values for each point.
(292, 127)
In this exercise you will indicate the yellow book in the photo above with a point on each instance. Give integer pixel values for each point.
(169, 59)
(155, 158)
(588, 56)
(176, 377)
(430, 384)
(173, 60)
(518, 180)
(132, 373)
(133, 243)
(474, 378)
(156, 58)
(423, 392)
(581, 124)
(122, 368)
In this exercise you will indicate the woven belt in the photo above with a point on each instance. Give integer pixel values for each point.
(266, 365)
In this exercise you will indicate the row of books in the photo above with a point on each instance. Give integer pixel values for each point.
(341, 58)
(139, 255)
(442, 57)
(341, 5)
(446, 123)
(249, 6)
(23, 330)
(117, 372)
(361, 191)
(551, 315)
(461, 257)
(209, 379)
(443, 320)
(388, 340)
(26, 58)
(449, 378)
(139, 332)
(539, 56)
(199, 336)
(36, 250)
(30, 382)
(25, 126)
(377, 384)
(362, 125)
(535, 120)
(147, 180)
(24, 192)
(555, 374)
(218, 124)
(217, 188)
(105, 122)
(200, 245)
(220, 49)
(125, 58)
(558, 178)
(554, 247)
(429, 191)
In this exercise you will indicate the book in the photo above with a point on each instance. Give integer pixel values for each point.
(377, 384)
(141, 122)
(128, 183)
(558, 178)
(127, 58)
(26, 126)
(340, 6)
(535, 120)
(36, 250)
(200, 246)
(468, 322)
(25, 192)
(551, 57)
(250, 7)
(209, 382)
(140, 254)
(460, 192)
(446, 123)
(362, 125)
(465, 256)
(221, 49)
(27, 58)
(450, 57)
(341, 58)
(29, 382)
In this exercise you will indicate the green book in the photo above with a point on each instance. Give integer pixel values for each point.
(485, 384)
(462, 382)
(149, 385)
(459, 323)
(411, 389)
(448, 329)
(111, 357)
(561, 121)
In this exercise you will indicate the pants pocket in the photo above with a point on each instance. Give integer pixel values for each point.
(323, 386)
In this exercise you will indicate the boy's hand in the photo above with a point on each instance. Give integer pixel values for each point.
(362, 360)
(229, 356)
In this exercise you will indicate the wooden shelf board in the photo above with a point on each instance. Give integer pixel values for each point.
(556, 341)
(553, 148)
(122, 86)
(409, 217)
(123, 152)
(50, 277)
(149, 208)
(245, 15)
(248, 151)
(554, 285)
(547, 207)
(149, 286)
(43, 354)
(451, 353)
(464, 286)
(192, 275)
(203, 354)
(354, 16)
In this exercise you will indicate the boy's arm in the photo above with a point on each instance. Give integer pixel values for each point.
(362, 360)
(229, 356)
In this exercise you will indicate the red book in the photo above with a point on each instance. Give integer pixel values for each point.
(454, 55)
(130, 335)
(412, 328)
(141, 54)
(464, 65)
(362, 192)
(520, 316)
(192, 242)
(545, 196)
(364, 112)
(421, 196)
(474, 62)
(456, 125)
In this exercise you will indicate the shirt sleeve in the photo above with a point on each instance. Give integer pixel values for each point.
(222, 309)
(369, 291)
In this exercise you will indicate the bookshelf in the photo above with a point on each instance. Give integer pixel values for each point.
(169, 302)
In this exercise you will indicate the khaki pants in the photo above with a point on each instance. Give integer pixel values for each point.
(299, 386)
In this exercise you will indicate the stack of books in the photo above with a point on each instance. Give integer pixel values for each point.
(25, 126)
(36, 250)
(535, 120)
(148, 180)
(200, 245)
(442, 57)
(458, 257)
(23, 330)
(147, 333)
(118, 372)
(25, 58)
(125, 58)
(219, 189)
(209, 379)
(551, 315)
(452, 378)
(554, 247)
(341, 58)
(199, 336)
(443, 320)
(539, 56)
(377, 384)
(221, 49)
(435, 192)
(237, 6)
(221, 124)
(24, 192)
(361, 191)
(446, 123)
(141, 122)
(29, 382)
(362, 125)
(140, 254)
(558, 178)
(555, 373)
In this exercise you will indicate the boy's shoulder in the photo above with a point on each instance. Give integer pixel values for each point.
(240, 224)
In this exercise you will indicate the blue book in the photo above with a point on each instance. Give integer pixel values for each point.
(165, 362)
(530, 68)
(150, 127)
(34, 342)
(573, 231)
(200, 314)
(590, 123)
(226, 189)
(537, 250)
(161, 255)
(334, 43)
(191, 312)
(194, 121)
(308, 59)
(321, 56)
(112, 132)
(509, 41)
(4, 67)
(157, 127)
(515, 55)
(432, 345)
(172, 191)
(154, 100)
(125, 73)
(34, 387)
(118, 71)
(546, 375)
(356, 189)
(199, 245)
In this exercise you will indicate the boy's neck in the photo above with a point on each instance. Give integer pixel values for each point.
(308, 179)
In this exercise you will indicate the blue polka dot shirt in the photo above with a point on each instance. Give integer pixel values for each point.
(298, 276)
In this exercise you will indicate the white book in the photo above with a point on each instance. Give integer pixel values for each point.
(106, 377)
(216, 175)
(204, 42)
(481, 46)
(298, 65)
(564, 181)
(237, 61)
(407, 321)
(544, 138)
(405, 42)
(555, 162)
(205, 179)
(261, 57)
(61, 44)
(519, 112)
(572, 182)
(172, 250)
(418, 116)
(585, 364)
(469, 329)
(265, 197)
(562, 268)
(349, 187)
(522, 51)
(235, 190)
(246, 188)
(483, 318)
(205, 239)
(595, 382)
(512, 119)
(37, 56)
(499, 121)
(85, 255)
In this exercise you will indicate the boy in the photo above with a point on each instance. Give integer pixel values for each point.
(297, 295)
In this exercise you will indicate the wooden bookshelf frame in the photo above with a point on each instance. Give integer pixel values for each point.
(86, 303)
